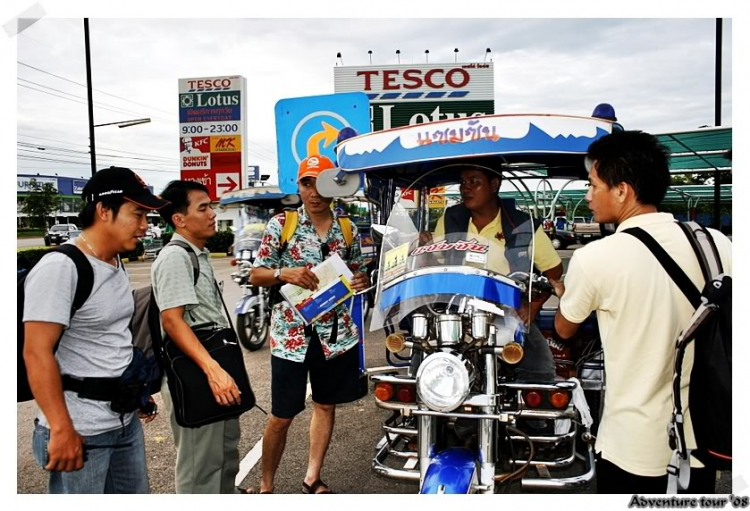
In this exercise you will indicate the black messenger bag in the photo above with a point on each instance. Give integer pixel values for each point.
(192, 399)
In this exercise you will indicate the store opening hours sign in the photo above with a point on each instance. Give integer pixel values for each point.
(212, 124)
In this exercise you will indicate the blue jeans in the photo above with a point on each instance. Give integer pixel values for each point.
(106, 470)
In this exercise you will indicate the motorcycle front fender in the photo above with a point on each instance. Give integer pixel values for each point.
(452, 471)
(245, 304)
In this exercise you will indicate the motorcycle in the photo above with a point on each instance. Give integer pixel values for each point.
(253, 309)
(449, 303)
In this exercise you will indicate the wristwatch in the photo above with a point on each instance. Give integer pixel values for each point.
(277, 274)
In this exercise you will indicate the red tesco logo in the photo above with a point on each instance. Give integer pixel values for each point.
(413, 79)
(216, 83)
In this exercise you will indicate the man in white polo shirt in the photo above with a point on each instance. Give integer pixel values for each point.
(640, 312)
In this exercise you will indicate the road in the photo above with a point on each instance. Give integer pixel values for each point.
(29, 242)
(347, 469)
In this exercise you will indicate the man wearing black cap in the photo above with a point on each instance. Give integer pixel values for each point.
(87, 446)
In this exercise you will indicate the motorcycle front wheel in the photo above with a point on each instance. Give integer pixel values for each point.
(252, 330)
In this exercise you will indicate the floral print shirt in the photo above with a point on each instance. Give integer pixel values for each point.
(288, 339)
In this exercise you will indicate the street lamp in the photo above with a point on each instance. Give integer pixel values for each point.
(125, 124)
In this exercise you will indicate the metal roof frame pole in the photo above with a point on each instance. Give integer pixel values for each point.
(92, 144)
(717, 123)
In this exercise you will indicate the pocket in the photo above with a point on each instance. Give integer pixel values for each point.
(39, 442)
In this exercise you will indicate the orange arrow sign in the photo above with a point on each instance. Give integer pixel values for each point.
(328, 135)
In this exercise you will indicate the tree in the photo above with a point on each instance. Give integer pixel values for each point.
(41, 202)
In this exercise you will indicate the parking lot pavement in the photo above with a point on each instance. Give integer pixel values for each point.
(29, 242)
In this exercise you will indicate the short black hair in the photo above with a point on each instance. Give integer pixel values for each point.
(88, 213)
(635, 158)
(177, 193)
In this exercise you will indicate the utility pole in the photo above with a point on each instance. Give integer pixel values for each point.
(717, 123)
(92, 143)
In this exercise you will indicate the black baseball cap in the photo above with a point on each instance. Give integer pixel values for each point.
(124, 182)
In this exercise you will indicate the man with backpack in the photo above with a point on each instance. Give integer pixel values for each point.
(207, 456)
(293, 244)
(75, 360)
(640, 310)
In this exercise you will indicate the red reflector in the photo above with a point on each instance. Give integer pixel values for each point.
(406, 394)
(559, 399)
(533, 399)
(384, 391)
(233, 262)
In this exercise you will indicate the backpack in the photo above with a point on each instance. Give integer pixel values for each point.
(710, 327)
(145, 324)
(83, 290)
(291, 219)
(290, 226)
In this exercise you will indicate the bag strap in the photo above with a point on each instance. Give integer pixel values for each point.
(679, 277)
(85, 274)
(193, 258)
(291, 218)
(705, 249)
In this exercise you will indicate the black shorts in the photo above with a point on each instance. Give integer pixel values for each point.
(333, 382)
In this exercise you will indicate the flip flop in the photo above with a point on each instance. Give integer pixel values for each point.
(251, 491)
(312, 488)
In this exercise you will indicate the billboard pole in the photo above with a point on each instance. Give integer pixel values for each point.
(92, 144)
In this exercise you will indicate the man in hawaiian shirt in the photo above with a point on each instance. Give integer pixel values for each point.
(326, 349)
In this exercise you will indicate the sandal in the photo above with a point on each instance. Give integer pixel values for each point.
(251, 491)
(312, 488)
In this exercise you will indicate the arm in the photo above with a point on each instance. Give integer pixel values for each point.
(65, 447)
(577, 302)
(222, 385)
(269, 258)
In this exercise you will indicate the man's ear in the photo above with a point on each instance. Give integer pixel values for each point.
(103, 212)
(178, 219)
(623, 191)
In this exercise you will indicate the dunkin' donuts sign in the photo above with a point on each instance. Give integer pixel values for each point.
(411, 94)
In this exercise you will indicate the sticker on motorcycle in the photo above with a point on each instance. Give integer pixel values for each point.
(444, 246)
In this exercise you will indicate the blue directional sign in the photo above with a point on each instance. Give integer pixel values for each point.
(310, 125)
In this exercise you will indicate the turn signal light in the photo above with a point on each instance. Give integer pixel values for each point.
(406, 394)
(559, 399)
(395, 343)
(532, 399)
(233, 262)
(512, 353)
(384, 391)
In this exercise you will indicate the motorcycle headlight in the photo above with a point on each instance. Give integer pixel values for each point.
(442, 382)
(245, 255)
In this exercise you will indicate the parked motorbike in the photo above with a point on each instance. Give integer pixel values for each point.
(255, 205)
(253, 309)
(461, 420)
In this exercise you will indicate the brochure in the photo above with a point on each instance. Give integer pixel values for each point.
(334, 287)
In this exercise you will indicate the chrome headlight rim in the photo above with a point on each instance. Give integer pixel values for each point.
(430, 369)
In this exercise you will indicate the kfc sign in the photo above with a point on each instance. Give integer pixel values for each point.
(474, 81)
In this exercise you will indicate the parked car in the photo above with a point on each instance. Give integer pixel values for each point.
(563, 238)
(586, 230)
(58, 234)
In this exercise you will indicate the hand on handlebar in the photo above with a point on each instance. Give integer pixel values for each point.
(558, 287)
(301, 277)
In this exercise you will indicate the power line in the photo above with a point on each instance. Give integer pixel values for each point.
(95, 102)
(96, 105)
(98, 90)
(75, 151)
(68, 162)
(108, 148)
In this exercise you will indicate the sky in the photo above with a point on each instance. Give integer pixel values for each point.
(658, 73)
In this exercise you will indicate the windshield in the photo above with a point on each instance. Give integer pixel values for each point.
(59, 228)
(450, 245)
(249, 230)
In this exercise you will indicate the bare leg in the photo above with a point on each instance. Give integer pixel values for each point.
(274, 442)
(321, 429)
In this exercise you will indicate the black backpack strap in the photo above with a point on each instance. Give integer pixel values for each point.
(85, 274)
(705, 249)
(679, 277)
(193, 258)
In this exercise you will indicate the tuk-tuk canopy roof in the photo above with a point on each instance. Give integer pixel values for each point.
(259, 195)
